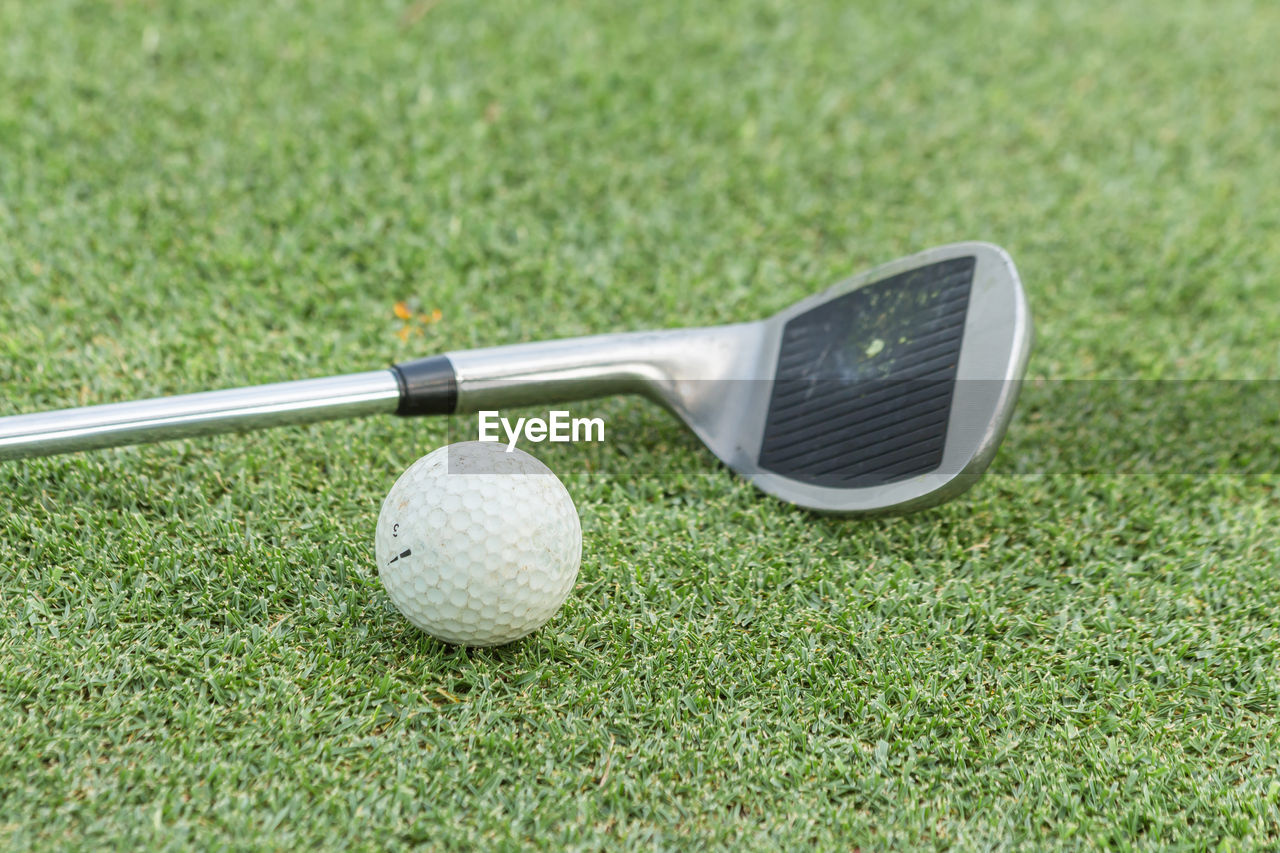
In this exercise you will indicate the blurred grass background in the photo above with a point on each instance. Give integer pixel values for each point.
(195, 649)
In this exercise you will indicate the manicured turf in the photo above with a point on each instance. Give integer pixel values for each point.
(194, 646)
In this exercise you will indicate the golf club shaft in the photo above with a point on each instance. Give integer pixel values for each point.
(207, 413)
(467, 381)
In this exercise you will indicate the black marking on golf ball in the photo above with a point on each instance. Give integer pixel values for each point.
(862, 394)
(395, 530)
(406, 552)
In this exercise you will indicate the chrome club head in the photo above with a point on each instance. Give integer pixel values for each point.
(889, 392)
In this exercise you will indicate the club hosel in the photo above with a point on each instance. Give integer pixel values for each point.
(652, 364)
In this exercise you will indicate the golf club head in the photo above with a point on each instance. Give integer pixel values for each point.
(889, 392)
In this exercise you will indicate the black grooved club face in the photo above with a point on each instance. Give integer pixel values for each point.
(862, 394)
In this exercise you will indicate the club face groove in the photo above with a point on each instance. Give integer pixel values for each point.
(869, 349)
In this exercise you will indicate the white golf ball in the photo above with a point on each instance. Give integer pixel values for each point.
(478, 546)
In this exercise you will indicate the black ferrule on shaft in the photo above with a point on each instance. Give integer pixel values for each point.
(428, 386)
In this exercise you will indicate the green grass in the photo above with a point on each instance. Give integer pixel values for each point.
(195, 650)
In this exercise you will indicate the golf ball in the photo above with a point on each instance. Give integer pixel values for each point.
(478, 546)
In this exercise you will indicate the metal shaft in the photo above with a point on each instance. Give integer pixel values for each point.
(647, 363)
(206, 413)
(651, 363)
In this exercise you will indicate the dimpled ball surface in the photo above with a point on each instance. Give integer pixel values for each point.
(478, 546)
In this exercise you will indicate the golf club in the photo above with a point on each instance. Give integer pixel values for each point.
(890, 391)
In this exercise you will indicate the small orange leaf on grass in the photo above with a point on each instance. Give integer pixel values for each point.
(402, 310)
